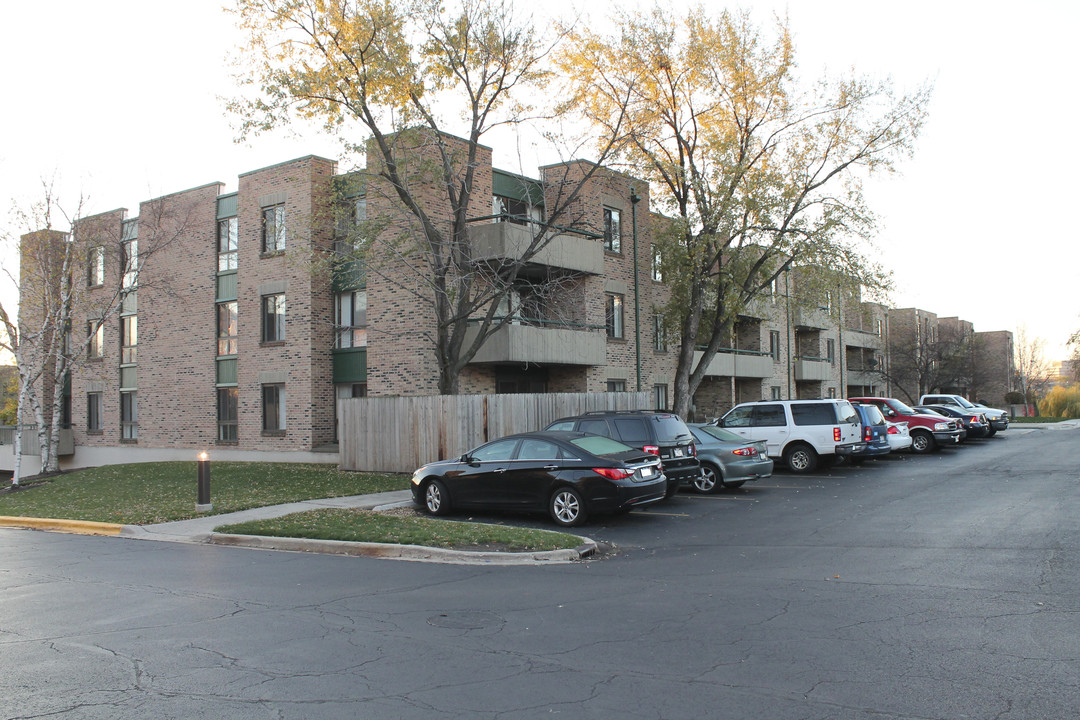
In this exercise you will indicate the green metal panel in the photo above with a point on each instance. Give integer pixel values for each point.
(128, 380)
(349, 275)
(226, 206)
(226, 372)
(517, 187)
(350, 365)
(227, 286)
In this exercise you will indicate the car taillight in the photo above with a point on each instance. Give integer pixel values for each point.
(974, 418)
(744, 451)
(652, 450)
(614, 473)
(868, 435)
(692, 449)
(892, 430)
(836, 434)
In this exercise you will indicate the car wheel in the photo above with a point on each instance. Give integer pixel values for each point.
(709, 479)
(566, 507)
(991, 432)
(734, 485)
(922, 442)
(436, 498)
(800, 458)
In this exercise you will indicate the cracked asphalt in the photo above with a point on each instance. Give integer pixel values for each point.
(936, 587)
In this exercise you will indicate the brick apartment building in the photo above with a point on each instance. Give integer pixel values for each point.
(249, 317)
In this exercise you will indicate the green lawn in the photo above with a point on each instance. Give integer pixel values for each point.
(367, 526)
(1022, 420)
(144, 493)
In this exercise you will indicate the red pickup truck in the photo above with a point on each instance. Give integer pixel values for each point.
(928, 432)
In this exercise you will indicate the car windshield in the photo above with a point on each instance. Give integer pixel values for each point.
(903, 409)
(598, 445)
(963, 403)
(720, 433)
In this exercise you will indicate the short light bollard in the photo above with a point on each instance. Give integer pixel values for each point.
(203, 504)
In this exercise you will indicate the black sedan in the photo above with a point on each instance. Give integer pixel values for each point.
(570, 475)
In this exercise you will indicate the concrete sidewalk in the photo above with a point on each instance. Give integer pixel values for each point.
(201, 530)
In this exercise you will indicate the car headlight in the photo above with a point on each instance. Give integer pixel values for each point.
(941, 426)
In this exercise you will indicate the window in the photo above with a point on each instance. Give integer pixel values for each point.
(814, 413)
(351, 319)
(227, 403)
(95, 331)
(613, 315)
(631, 431)
(129, 339)
(227, 328)
(273, 229)
(612, 230)
(830, 351)
(228, 243)
(657, 260)
(533, 449)
(130, 264)
(660, 396)
(498, 451)
(273, 318)
(93, 412)
(129, 416)
(616, 386)
(832, 392)
(878, 327)
(774, 345)
(769, 416)
(95, 267)
(273, 398)
(659, 334)
(774, 392)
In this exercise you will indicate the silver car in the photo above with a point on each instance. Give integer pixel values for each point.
(727, 460)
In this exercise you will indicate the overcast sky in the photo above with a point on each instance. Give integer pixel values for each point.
(120, 101)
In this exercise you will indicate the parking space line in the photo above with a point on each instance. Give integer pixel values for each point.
(653, 512)
(717, 497)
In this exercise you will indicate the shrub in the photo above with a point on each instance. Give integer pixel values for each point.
(1061, 402)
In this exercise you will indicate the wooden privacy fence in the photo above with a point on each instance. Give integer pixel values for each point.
(399, 434)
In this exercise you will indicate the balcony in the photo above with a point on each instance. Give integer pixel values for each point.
(815, 369)
(862, 338)
(519, 343)
(738, 363)
(492, 241)
(811, 317)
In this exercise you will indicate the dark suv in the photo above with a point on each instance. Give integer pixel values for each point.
(656, 432)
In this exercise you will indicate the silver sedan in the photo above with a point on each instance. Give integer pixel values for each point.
(727, 460)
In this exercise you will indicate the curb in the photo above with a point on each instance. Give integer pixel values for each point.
(418, 553)
(80, 527)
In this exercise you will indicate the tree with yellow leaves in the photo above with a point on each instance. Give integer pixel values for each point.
(753, 173)
(413, 75)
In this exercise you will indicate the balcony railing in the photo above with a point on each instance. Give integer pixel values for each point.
(535, 340)
(568, 250)
(30, 440)
(732, 362)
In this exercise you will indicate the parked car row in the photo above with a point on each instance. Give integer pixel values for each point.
(615, 461)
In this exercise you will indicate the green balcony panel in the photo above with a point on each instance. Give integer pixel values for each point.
(350, 365)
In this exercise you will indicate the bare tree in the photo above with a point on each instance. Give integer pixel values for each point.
(1032, 367)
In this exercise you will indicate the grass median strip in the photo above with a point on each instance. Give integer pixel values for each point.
(146, 493)
(368, 526)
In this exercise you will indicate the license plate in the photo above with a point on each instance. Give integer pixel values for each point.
(678, 452)
(647, 472)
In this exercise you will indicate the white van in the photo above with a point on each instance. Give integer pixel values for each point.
(800, 431)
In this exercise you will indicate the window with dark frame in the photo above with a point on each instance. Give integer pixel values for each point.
(612, 230)
(616, 386)
(95, 348)
(129, 416)
(657, 262)
(774, 345)
(228, 244)
(129, 339)
(613, 315)
(228, 328)
(351, 319)
(227, 414)
(660, 395)
(130, 264)
(273, 229)
(93, 412)
(273, 318)
(659, 334)
(273, 400)
(95, 267)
